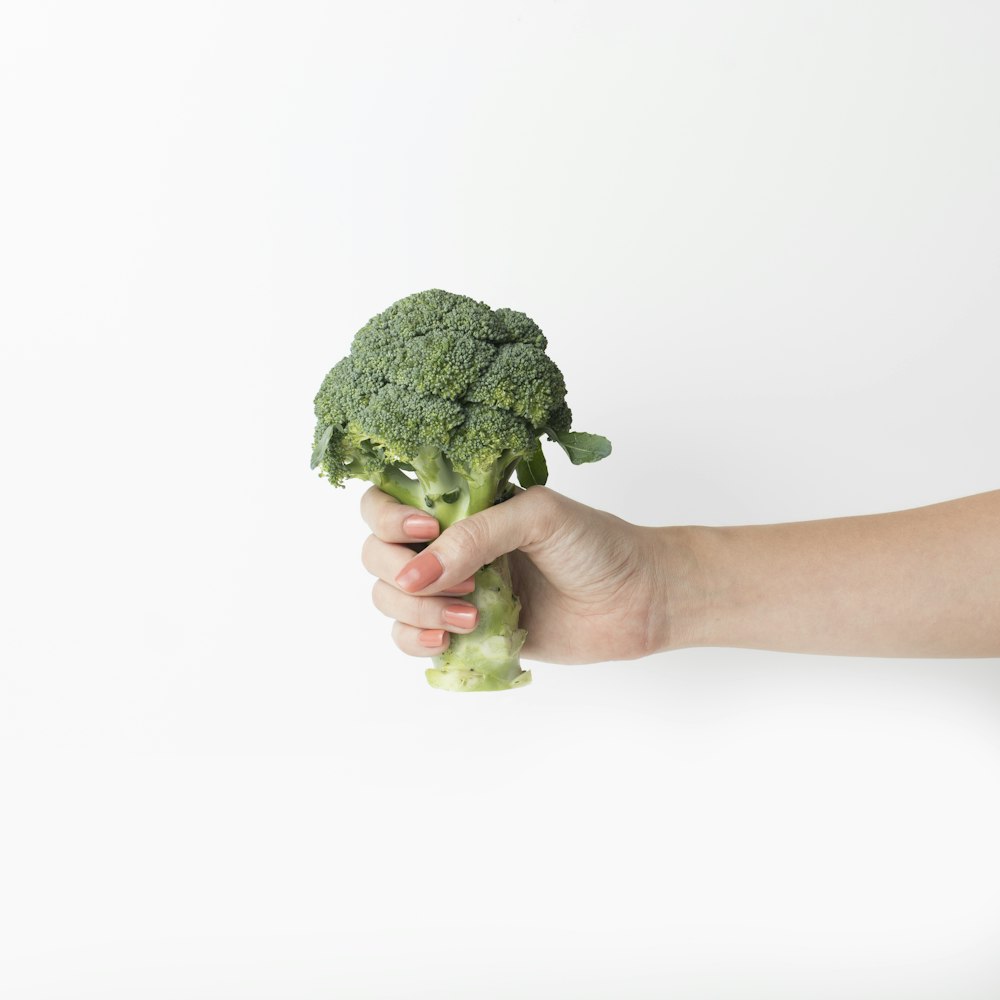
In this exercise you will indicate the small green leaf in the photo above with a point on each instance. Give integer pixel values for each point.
(532, 471)
(322, 443)
(581, 447)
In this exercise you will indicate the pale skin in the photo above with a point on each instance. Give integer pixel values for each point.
(923, 582)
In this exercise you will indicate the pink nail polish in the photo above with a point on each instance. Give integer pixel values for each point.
(431, 637)
(421, 571)
(421, 526)
(462, 615)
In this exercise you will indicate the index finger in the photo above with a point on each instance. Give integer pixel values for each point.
(393, 521)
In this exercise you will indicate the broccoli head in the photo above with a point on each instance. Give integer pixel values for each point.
(441, 401)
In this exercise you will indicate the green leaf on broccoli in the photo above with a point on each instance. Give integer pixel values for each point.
(322, 443)
(582, 447)
(533, 471)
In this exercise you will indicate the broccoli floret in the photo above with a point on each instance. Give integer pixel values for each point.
(439, 403)
(523, 380)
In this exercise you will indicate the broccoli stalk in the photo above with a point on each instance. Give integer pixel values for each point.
(440, 402)
(485, 659)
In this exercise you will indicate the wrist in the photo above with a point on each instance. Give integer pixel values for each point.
(682, 588)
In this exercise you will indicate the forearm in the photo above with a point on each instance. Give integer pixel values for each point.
(922, 582)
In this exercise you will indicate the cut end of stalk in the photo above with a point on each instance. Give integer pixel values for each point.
(472, 680)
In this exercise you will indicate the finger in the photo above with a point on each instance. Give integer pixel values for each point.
(393, 521)
(522, 522)
(385, 560)
(419, 642)
(424, 612)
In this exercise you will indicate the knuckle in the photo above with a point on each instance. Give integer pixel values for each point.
(543, 500)
(404, 636)
(368, 503)
(388, 524)
(378, 596)
(367, 552)
(544, 512)
(397, 636)
(469, 535)
(417, 612)
(428, 613)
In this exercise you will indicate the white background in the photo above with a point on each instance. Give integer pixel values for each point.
(763, 240)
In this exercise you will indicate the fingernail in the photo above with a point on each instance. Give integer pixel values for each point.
(421, 571)
(431, 636)
(421, 526)
(462, 615)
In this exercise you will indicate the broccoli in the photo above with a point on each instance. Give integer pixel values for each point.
(440, 401)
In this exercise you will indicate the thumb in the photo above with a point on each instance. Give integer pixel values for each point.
(522, 522)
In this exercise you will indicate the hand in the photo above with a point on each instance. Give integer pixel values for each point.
(921, 582)
(589, 582)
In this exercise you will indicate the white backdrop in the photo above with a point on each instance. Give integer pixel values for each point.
(763, 240)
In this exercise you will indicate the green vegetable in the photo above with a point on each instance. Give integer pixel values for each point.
(440, 401)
